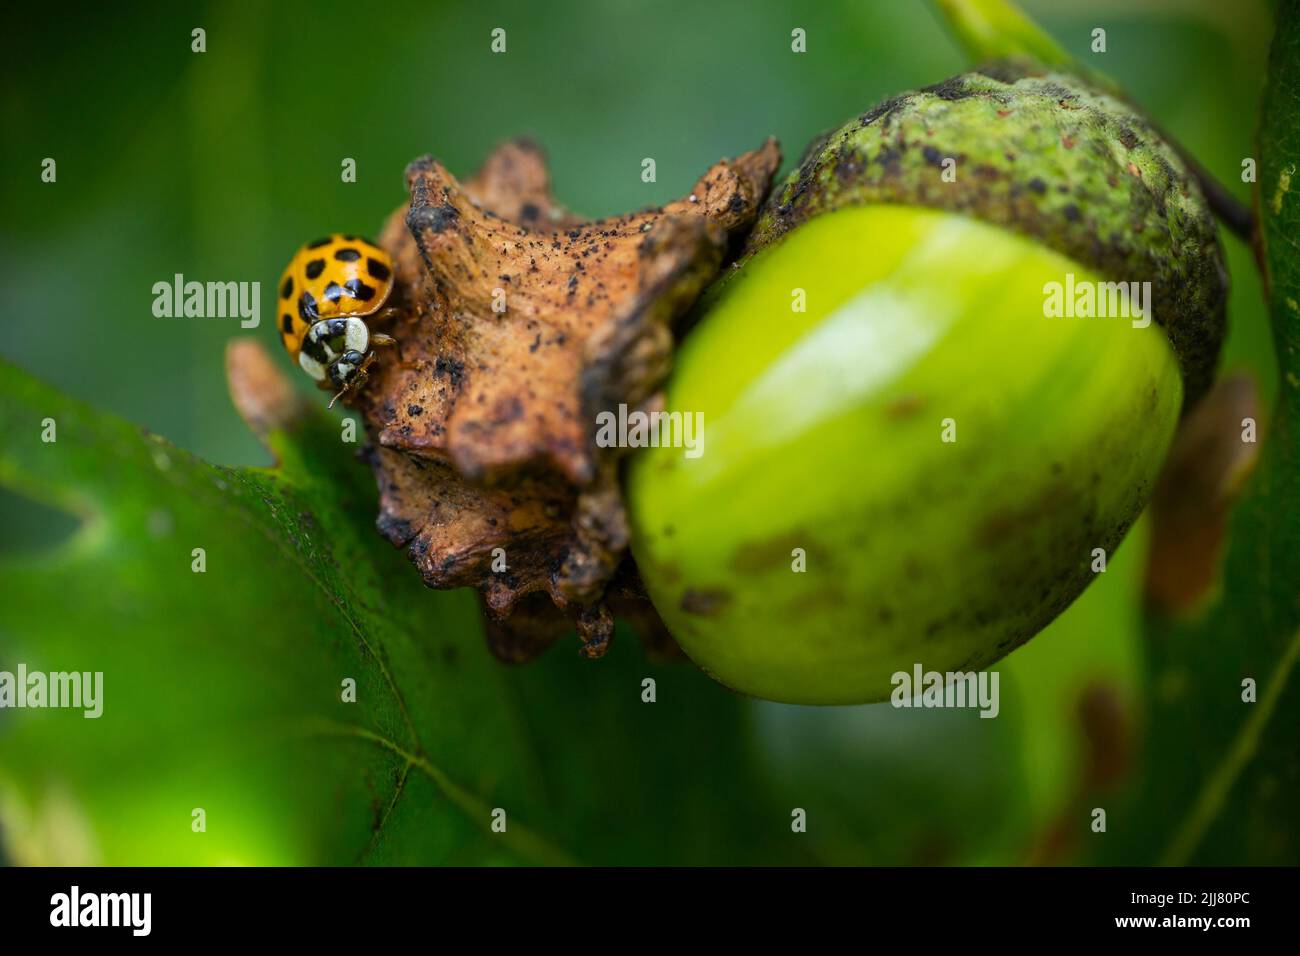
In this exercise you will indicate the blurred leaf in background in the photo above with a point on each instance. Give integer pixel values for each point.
(217, 166)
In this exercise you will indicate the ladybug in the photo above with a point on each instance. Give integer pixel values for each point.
(328, 290)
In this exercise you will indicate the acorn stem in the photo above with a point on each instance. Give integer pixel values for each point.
(998, 29)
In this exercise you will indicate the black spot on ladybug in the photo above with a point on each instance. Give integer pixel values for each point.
(333, 292)
(358, 290)
(315, 268)
(378, 270)
(286, 323)
(347, 255)
(307, 307)
(319, 242)
(353, 239)
(286, 290)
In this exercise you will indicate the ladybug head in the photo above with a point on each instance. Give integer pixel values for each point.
(345, 367)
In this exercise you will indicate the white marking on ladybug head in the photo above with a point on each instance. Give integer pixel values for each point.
(357, 337)
(311, 366)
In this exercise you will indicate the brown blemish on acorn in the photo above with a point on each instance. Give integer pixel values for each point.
(484, 432)
(758, 557)
(705, 602)
(904, 407)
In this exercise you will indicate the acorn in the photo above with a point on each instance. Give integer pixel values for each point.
(936, 388)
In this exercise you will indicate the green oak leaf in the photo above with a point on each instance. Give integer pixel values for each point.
(223, 688)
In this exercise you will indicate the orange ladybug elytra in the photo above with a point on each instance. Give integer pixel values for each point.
(327, 292)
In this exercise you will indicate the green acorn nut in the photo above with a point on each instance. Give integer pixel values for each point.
(927, 402)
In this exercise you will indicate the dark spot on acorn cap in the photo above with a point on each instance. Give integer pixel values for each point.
(315, 268)
(454, 369)
(286, 290)
(432, 218)
(397, 530)
(890, 158)
(378, 270)
(347, 255)
(950, 89)
(883, 111)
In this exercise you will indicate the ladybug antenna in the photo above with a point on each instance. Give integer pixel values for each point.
(335, 399)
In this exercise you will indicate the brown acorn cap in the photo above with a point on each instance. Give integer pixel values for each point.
(1044, 154)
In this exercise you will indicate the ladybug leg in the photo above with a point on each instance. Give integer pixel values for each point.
(387, 341)
(362, 374)
(357, 381)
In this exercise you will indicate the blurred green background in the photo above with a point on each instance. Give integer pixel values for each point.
(218, 165)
